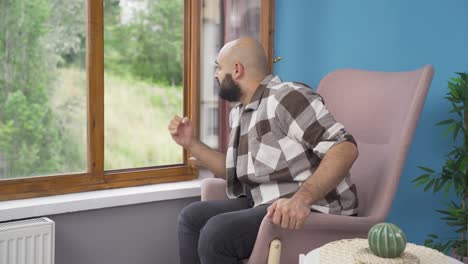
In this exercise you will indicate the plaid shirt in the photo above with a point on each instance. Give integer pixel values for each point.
(277, 142)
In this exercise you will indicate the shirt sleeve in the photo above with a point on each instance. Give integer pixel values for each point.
(302, 115)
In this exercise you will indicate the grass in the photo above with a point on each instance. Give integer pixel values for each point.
(136, 117)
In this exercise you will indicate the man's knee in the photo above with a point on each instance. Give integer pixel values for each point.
(214, 236)
(191, 215)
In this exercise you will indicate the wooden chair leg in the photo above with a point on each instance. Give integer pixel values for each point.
(274, 253)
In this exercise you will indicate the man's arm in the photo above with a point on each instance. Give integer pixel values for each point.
(302, 115)
(291, 213)
(209, 158)
(332, 170)
(181, 130)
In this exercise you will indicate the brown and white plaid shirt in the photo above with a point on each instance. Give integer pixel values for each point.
(277, 142)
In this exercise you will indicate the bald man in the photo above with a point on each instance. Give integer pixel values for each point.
(287, 156)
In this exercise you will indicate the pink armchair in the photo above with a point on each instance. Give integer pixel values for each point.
(381, 110)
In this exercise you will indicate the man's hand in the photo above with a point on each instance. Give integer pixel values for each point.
(289, 212)
(181, 131)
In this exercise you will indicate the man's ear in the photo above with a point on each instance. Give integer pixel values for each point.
(238, 71)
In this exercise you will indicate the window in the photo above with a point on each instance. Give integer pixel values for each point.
(143, 81)
(87, 88)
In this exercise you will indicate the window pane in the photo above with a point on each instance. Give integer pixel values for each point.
(143, 51)
(43, 95)
(223, 21)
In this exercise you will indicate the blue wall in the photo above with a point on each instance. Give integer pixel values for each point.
(315, 37)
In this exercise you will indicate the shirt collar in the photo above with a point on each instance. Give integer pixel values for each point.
(258, 94)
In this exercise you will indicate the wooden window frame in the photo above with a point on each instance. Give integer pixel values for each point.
(97, 178)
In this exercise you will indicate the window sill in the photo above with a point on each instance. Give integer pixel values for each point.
(75, 202)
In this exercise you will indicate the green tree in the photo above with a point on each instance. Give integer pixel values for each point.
(66, 38)
(150, 47)
(31, 142)
(161, 39)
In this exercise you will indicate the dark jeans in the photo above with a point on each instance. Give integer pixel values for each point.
(214, 232)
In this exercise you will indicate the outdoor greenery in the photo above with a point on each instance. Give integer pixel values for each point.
(43, 96)
(149, 48)
(454, 173)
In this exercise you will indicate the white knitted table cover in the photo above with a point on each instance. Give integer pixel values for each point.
(353, 251)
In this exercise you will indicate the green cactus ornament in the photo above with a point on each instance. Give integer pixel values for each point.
(387, 240)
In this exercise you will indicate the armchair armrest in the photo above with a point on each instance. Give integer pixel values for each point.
(318, 230)
(338, 223)
(213, 189)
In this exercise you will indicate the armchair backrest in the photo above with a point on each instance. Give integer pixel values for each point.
(381, 110)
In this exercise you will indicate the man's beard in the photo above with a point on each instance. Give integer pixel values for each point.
(229, 90)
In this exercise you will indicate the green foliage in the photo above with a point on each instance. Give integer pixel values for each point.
(454, 172)
(67, 33)
(150, 46)
(169, 101)
(30, 140)
(39, 36)
(136, 115)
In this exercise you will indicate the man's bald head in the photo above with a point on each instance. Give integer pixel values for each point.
(248, 52)
(240, 67)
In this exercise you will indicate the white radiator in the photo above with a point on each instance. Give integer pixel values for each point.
(29, 241)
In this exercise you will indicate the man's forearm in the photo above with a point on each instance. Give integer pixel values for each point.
(209, 158)
(331, 171)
